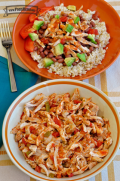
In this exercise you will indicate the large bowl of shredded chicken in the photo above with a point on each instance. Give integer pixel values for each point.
(61, 130)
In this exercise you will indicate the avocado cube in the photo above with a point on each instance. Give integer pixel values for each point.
(47, 62)
(69, 61)
(59, 49)
(33, 36)
(37, 24)
(71, 8)
(81, 57)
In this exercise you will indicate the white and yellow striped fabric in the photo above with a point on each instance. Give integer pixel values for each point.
(108, 82)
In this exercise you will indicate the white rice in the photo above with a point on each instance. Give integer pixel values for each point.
(92, 61)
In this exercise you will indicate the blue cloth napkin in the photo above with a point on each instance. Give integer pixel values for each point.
(24, 80)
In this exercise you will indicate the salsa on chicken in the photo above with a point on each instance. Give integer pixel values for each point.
(61, 135)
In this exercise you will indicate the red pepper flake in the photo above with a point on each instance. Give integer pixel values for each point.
(56, 134)
(90, 124)
(38, 169)
(45, 124)
(77, 101)
(24, 142)
(21, 115)
(76, 130)
(71, 175)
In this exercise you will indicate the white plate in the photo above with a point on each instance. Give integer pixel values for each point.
(107, 109)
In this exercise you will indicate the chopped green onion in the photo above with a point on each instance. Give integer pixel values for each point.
(69, 28)
(51, 175)
(81, 57)
(28, 145)
(76, 20)
(47, 134)
(91, 37)
(28, 152)
(47, 106)
(57, 16)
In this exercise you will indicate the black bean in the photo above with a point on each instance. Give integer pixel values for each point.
(48, 47)
(92, 23)
(61, 60)
(35, 48)
(41, 31)
(74, 63)
(95, 16)
(68, 56)
(54, 59)
(46, 52)
(44, 27)
(91, 48)
(40, 36)
(98, 41)
(59, 57)
(88, 54)
(41, 49)
(50, 55)
(42, 54)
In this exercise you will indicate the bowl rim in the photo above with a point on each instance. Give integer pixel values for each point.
(50, 83)
(61, 77)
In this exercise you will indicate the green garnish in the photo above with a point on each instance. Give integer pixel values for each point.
(76, 20)
(51, 175)
(28, 152)
(69, 28)
(47, 134)
(37, 24)
(81, 57)
(33, 36)
(57, 16)
(91, 38)
(28, 145)
(47, 105)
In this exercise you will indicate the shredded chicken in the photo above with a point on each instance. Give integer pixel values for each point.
(64, 142)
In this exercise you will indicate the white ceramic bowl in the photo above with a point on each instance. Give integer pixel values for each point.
(107, 109)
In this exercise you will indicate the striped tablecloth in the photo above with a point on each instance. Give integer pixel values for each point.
(108, 82)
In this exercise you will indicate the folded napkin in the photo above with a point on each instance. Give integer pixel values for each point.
(23, 79)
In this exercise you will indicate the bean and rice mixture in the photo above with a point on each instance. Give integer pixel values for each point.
(61, 135)
(75, 42)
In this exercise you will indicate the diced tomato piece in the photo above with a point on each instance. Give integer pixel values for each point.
(76, 130)
(51, 156)
(32, 18)
(71, 175)
(53, 105)
(63, 19)
(31, 158)
(70, 156)
(93, 31)
(29, 45)
(38, 169)
(53, 145)
(84, 111)
(44, 10)
(57, 121)
(99, 143)
(58, 175)
(90, 124)
(56, 134)
(45, 40)
(62, 41)
(24, 142)
(26, 136)
(65, 49)
(45, 124)
(21, 115)
(26, 30)
(31, 129)
(77, 101)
